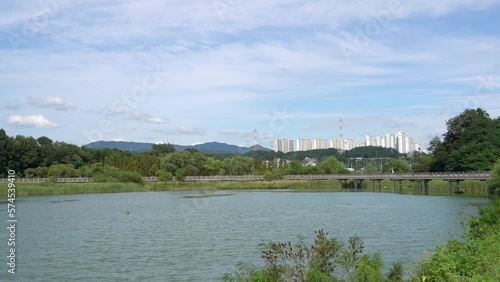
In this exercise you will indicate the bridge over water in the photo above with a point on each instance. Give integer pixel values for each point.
(422, 179)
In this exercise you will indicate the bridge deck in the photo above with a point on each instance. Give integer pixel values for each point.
(453, 176)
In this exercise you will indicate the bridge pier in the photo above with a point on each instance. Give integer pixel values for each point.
(393, 185)
(419, 185)
(356, 183)
(379, 184)
(450, 186)
(400, 185)
(426, 184)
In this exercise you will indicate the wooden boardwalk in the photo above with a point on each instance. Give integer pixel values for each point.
(447, 176)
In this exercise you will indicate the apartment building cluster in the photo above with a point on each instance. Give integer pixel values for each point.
(399, 141)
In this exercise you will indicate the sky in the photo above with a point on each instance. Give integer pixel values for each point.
(188, 72)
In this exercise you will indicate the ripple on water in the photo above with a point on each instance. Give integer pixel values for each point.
(193, 236)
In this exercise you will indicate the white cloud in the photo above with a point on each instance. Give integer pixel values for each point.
(188, 130)
(142, 117)
(228, 73)
(237, 133)
(54, 102)
(31, 121)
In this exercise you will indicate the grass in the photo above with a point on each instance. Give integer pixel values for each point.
(42, 189)
(476, 259)
(45, 189)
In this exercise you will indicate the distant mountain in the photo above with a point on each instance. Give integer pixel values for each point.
(121, 145)
(209, 148)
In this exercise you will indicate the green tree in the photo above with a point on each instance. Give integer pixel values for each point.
(433, 144)
(46, 151)
(238, 165)
(24, 154)
(212, 166)
(160, 149)
(191, 162)
(62, 170)
(6, 145)
(495, 177)
(371, 168)
(471, 143)
(330, 165)
(396, 165)
(423, 164)
(295, 167)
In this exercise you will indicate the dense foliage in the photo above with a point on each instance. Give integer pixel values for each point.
(327, 259)
(43, 157)
(476, 259)
(471, 143)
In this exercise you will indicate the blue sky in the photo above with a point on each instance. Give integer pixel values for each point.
(214, 70)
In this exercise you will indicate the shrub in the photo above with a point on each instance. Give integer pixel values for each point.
(164, 176)
(179, 176)
(327, 260)
(128, 176)
(268, 176)
(477, 259)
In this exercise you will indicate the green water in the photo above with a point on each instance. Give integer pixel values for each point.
(196, 236)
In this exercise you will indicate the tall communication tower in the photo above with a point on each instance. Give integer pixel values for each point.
(341, 127)
(255, 139)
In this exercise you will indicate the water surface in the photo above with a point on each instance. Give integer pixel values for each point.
(196, 236)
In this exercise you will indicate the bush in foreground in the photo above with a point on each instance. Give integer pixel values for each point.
(326, 260)
(476, 259)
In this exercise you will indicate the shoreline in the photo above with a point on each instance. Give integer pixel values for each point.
(438, 188)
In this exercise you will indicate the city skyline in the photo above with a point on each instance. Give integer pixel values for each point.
(189, 72)
(399, 141)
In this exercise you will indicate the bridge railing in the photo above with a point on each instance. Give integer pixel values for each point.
(150, 179)
(225, 178)
(74, 179)
(25, 180)
(396, 176)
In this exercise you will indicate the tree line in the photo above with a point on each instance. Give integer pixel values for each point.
(471, 143)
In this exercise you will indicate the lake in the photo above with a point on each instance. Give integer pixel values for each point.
(199, 236)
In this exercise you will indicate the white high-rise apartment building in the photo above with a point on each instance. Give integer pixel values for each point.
(382, 142)
(304, 144)
(392, 141)
(282, 145)
(408, 145)
(320, 144)
(398, 141)
(344, 144)
(387, 140)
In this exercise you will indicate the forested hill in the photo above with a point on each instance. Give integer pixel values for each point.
(137, 147)
(361, 152)
(372, 152)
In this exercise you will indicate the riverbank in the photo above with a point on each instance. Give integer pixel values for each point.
(476, 259)
(470, 187)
